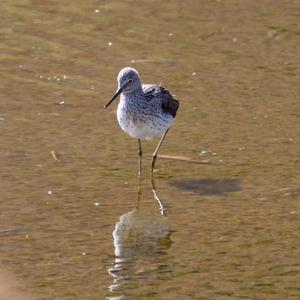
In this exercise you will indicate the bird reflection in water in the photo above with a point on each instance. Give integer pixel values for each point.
(141, 238)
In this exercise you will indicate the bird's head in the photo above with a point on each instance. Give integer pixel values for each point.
(128, 82)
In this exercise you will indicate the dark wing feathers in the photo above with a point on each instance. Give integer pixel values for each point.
(169, 103)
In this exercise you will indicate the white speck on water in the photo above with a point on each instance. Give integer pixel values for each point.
(57, 79)
(171, 34)
(271, 34)
(97, 10)
(126, 182)
(110, 43)
(54, 77)
(220, 160)
(132, 61)
(27, 236)
(49, 192)
(96, 203)
(291, 140)
(83, 253)
(292, 212)
(2, 119)
(241, 148)
(204, 152)
(194, 73)
(41, 76)
(65, 77)
(234, 39)
(49, 78)
(62, 102)
(92, 87)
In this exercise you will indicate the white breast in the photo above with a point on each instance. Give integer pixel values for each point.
(142, 128)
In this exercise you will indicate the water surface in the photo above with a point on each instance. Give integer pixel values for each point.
(68, 172)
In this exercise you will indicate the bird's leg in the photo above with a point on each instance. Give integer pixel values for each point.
(140, 157)
(139, 192)
(156, 151)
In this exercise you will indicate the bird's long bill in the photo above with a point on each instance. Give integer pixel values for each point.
(118, 92)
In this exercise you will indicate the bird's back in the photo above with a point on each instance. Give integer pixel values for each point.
(167, 102)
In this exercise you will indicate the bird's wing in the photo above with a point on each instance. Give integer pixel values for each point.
(169, 103)
(149, 91)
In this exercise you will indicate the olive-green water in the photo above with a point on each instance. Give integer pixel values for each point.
(68, 172)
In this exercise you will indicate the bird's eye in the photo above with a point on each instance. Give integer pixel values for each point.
(130, 81)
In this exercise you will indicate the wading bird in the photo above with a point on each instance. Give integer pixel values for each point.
(144, 110)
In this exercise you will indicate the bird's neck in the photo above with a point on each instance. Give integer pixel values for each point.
(136, 93)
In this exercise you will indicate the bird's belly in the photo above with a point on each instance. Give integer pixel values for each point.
(143, 128)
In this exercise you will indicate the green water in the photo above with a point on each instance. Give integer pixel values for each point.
(68, 172)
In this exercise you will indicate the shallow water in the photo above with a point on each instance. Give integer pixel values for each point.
(68, 177)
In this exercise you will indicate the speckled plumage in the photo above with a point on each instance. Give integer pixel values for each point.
(144, 110)
(147, 110)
